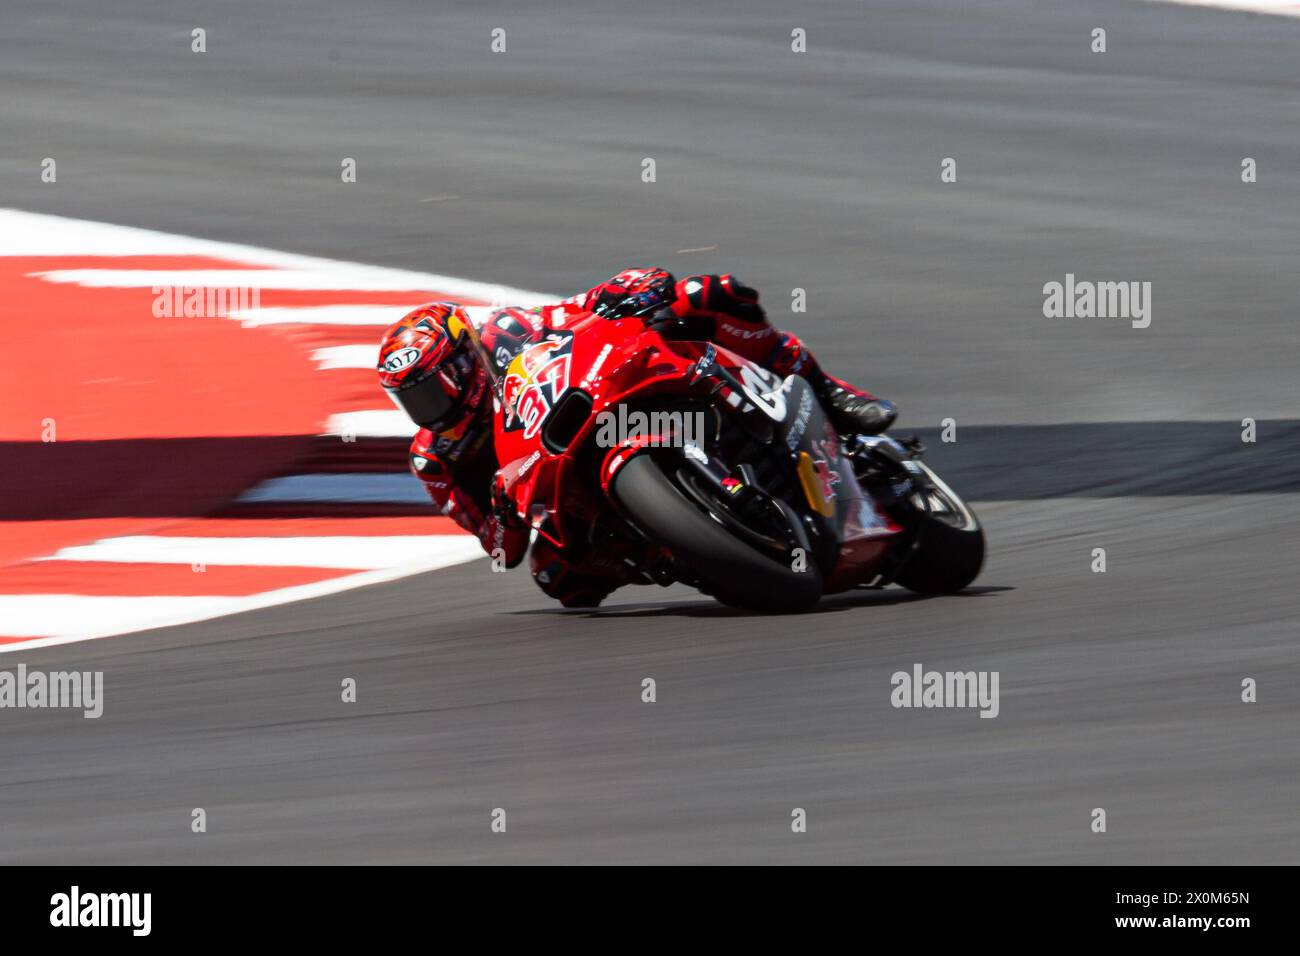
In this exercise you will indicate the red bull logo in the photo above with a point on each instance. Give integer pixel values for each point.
(537, 378)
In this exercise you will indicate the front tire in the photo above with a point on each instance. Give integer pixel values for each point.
(730, 570)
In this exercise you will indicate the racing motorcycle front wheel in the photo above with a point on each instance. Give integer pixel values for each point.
(734, 571)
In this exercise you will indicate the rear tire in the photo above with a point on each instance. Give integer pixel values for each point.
(949, 550)
(730, 570)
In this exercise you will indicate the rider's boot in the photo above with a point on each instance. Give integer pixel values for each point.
(576, 582)
(853, 411)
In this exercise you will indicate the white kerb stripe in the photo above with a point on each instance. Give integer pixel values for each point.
(37, 234)
(96, 621)
(354, 279)
(377, 315)
(355, 552)
(346, 356)
(1281, 8)
(52, 619)
(378, 423)
(362, 279)
(42, 615)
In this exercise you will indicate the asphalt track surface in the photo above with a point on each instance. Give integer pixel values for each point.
(820, 171)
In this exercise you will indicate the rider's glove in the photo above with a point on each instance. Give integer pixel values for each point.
(504, 534)
(637, 292)
(503, 506)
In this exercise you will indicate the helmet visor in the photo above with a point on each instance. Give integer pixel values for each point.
(430, 402)
(426, 404)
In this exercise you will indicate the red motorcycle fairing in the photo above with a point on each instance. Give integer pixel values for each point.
(607, 360)
(552, 394)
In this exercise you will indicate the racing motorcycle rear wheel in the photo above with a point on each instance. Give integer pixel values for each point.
(733, 571)
(948, 550)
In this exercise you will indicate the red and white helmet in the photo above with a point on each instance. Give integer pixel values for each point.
(431, 364)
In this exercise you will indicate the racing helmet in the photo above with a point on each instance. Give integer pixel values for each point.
(432, 366)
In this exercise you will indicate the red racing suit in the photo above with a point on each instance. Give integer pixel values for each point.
(458, 465)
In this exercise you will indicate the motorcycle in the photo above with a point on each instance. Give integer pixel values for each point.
(624, 439)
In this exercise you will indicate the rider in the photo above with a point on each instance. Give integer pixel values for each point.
(439, 368)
